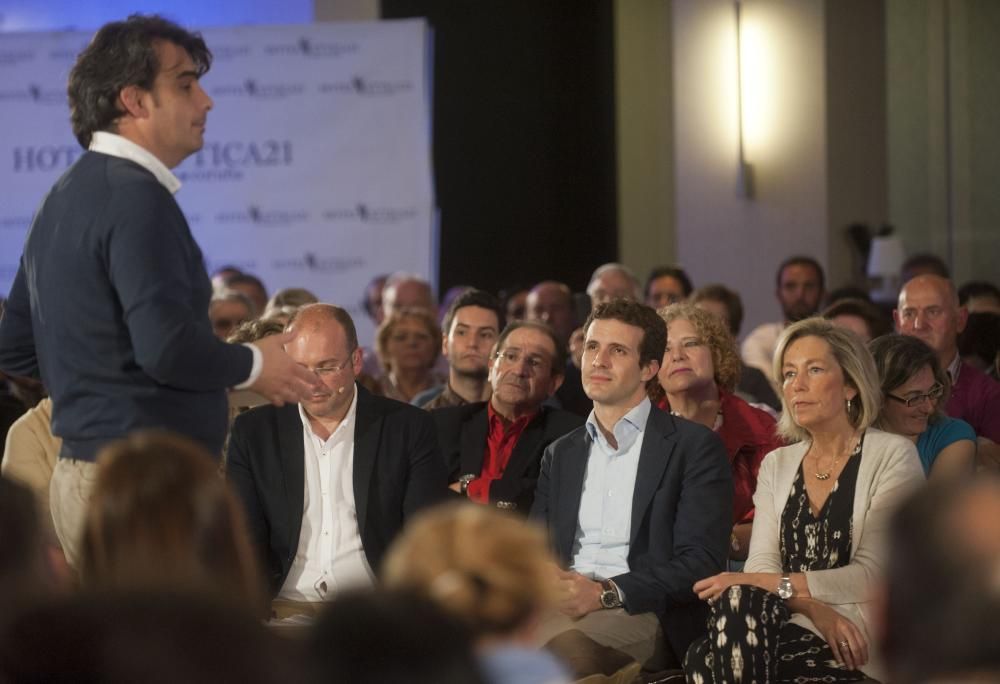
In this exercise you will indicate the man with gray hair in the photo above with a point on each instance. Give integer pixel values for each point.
(613, 281)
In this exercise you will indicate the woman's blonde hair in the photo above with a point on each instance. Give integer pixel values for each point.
(490, 569)
(854, 360)
(388, 326)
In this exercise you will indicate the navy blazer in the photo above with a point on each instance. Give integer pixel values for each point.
(397, 471)
(462, 432)
(682, 510)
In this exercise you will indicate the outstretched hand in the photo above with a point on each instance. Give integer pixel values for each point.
(281, 379)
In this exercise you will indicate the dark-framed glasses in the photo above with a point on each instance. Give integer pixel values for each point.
(933, 394)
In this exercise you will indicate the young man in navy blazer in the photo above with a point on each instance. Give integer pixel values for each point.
(638, 505)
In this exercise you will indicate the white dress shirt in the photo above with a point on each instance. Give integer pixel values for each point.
(758, 348)
(330, 557)
(605, 525)
(114, 145)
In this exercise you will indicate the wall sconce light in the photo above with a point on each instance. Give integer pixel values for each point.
(744, 178)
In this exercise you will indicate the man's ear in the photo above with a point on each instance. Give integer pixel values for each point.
(444, 344)
(131, 101)
(556, 383)
(895, 319)
(961, 318)
(650, 370)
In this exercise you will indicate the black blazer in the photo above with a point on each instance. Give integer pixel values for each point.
(397, 471)
(462, 432)
(682, 510)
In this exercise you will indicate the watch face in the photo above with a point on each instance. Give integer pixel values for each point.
(609, 598)
(785, 590)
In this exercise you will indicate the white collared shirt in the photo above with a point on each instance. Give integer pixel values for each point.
(604, 528)
(115, 145)
(330, 557)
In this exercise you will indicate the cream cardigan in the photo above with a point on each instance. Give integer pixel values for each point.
(890, 469)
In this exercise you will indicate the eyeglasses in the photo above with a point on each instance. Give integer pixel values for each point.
(329, 369)
(934, 393)
(511, 357)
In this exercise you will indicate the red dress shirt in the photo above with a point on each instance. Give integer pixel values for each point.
(500, 443)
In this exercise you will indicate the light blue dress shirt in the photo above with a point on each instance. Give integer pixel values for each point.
(605, 523)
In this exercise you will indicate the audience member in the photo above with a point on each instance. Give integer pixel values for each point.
(923, 264)
(284, 302)
(941, 592)
(753, 385)
(161, 516)
(979, 343)
(799, 291)
(801, 610)
(23, 571)
(153, 638)
(859, 316)
(407, 291)
(638, 504)
(491, 571)
(515, 302)
(551, 303)
(696, 381)
(328, 483)
(979, 296)
(115, 321)
(667, 285)
(407, 347)
(493, 449)
(914, 388)
(471, 326)
(928, 310)
(613, 281)
(372, 302)
(389, 636)
(30, 454)
(251, 286)
(847, 292)
(227, 310)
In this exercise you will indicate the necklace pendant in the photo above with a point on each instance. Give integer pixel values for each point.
(823, 476)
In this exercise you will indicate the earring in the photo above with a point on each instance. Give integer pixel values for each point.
(848, 405)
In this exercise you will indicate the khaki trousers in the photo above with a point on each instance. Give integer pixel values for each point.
(69, 494)
(604, 641)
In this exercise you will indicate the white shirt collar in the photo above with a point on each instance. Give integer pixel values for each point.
(117, 146)
(954, 368)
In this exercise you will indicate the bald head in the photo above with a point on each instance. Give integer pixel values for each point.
(928, 310)
(613, 281)
(407, 292)
(312, 318)
(551, 302)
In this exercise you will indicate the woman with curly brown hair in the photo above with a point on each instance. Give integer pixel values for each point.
(696, 381)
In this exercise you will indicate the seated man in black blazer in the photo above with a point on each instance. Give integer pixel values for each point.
(638, 505)
(328, 483)
(493, 449)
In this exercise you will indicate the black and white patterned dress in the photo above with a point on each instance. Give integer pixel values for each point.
(750, 639)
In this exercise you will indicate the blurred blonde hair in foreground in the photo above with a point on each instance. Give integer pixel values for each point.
(162, 517)
(488, 568)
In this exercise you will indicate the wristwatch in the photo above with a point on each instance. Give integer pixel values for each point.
(610, 597)
(785, 588)
(463, 483)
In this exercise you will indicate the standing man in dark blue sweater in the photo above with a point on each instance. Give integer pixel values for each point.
(110, 303)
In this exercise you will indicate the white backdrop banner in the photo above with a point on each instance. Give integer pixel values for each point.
(316, 169)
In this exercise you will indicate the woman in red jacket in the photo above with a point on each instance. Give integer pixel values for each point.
(696, 380)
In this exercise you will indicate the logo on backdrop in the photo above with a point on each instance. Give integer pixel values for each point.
(223, 53)
(258, 216)
(258, 90)
(32, 158)
(68, 54)
(227, 161)
(307, 47)
(366, 87)
(370, 214)
(34, 93)
(310, 261)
